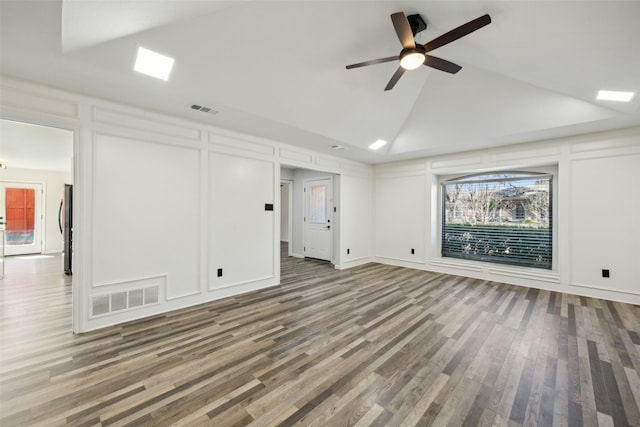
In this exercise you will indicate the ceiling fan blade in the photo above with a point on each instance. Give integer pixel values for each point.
(394, 79)
(403, 30)
(373, 62)
(441, 64)
(457, 33)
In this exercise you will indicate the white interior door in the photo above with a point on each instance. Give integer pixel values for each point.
(318, 231)
(21, 208)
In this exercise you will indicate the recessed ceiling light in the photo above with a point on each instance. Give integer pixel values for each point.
(153, 64)
(378, 144)
(615, 95)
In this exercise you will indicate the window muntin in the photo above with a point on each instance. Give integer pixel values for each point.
(503, 218)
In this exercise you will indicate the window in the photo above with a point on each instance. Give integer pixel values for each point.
(318, 204)
(503, 217)
(20, 212)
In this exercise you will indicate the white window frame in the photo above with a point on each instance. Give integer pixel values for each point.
(551, 169)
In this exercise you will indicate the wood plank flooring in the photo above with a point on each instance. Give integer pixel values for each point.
(370, 346)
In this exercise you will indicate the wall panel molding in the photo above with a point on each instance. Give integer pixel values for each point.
(299, 157)
(438, 262)
(144, 122)
(36, 101)
(332, 163)
(241, 146)
(524, 274)
(526, 154)
(441, 165)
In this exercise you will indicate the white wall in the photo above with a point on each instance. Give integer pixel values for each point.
(241, 233)
(357, 202)
(403, 215)
(284, 211)
(146, 217)
(54, 188)
(596, 202)
(604, 228)
(161, 203)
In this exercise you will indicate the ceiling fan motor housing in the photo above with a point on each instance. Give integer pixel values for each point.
(416, 23)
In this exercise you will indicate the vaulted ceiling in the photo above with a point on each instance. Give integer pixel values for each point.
(276, 69)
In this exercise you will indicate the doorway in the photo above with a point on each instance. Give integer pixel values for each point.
(21, 210)
(43, 155)
(318, 213)
(297, 247)
(39, 158)
(286, 215)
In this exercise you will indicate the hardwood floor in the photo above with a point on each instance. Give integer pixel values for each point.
(370, 346)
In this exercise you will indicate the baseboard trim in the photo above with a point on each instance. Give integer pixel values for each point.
(600, 288)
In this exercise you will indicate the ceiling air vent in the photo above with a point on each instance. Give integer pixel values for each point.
(204, 109)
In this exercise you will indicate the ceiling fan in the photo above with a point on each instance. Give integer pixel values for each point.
(414, 55)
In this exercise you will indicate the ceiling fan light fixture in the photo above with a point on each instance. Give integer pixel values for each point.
(410, 59)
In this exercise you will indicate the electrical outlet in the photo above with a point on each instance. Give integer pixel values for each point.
(219, 272)
(605, 272)
(348, 250)
(413, 251)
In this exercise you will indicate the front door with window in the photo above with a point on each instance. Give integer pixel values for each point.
(21, 206)
(318, 232)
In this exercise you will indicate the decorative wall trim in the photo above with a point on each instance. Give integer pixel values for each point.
(409, 261)
(327, 162)
(606, 140)
(42, 103)
(184, 295)
(298, 156)
(243, 283)
(475, 159)
(145, 124)
(608, 152)
(522, 274)
(393, 168)
(137, 282)
(241, 145)
(457, 265)
(526, 154)
(354, 263)
(600, 288)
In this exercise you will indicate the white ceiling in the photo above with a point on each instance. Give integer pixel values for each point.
(277, 68)
(27, 146)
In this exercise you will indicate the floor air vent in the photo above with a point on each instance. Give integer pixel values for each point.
(123, 300)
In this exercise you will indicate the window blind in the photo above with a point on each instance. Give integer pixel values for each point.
(503, 218)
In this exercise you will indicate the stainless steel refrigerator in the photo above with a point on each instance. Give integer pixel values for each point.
(65, 221)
